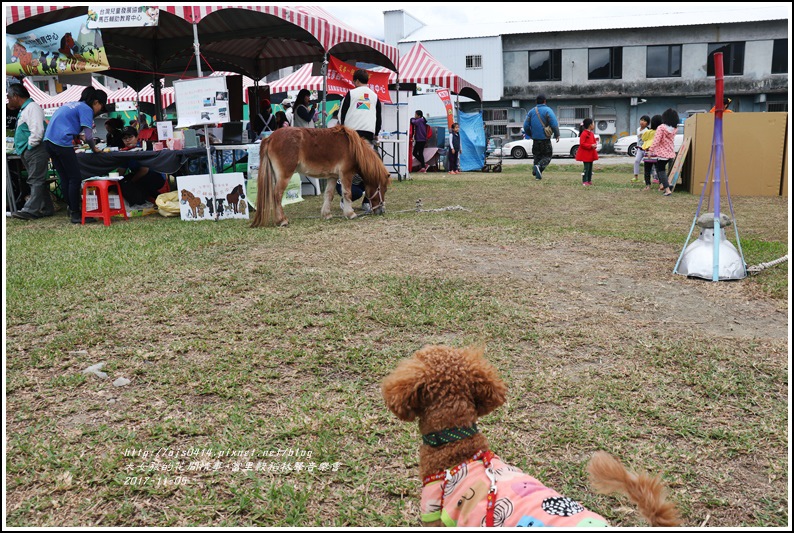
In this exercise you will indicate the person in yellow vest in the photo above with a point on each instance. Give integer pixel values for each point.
(725, 103)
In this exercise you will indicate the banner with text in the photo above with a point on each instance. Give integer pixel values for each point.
(444, 95)
(122, 16)
(66, 47)
(340, 80)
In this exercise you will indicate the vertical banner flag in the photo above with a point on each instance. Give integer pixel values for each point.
(444, 95)
(340, 80)
(66, 47)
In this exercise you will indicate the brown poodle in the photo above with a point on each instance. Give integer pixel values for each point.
(465, 484)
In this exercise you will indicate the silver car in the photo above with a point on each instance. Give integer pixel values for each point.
(567, 147)
(628, 145)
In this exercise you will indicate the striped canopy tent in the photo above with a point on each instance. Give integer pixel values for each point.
(71, 94)
(146, 94)
(419, 66)
(253, 40)
(37, 94)
(300, 79)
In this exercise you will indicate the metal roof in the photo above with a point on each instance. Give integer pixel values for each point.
(673, 16)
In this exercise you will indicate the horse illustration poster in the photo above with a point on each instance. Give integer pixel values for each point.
(197, 201)
(66, 47)
(198, 102)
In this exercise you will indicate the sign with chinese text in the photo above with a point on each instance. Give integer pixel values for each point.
(340, 80)
(62, 48)
(122, 16)
(447, 101)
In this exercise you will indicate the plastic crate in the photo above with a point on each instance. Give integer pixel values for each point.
(92, 202)
(114, 201)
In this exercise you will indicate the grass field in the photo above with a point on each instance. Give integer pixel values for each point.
(255, 356)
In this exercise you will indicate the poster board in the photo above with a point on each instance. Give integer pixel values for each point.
(196, 197)
(201, 101)
(292, 194)
(678, 164)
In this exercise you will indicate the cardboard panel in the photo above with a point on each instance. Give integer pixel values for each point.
(784, 184)
(755, 151)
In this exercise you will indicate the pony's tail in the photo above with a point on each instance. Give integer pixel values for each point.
(265, 205)
(607, 475)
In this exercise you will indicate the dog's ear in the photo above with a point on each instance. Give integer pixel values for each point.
(402, 389)
(489, 390)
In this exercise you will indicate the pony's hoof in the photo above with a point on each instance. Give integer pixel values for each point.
(351, 216)
(283, 224)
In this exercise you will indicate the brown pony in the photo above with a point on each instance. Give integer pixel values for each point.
(192, 202)
(333, 153)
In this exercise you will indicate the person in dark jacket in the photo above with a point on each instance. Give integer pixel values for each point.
(454, 148)
(419, 135)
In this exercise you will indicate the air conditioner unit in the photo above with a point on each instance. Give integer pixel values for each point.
(606, 126)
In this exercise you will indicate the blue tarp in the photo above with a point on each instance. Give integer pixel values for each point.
(472, 141)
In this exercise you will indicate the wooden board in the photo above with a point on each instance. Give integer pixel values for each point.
(678, 164)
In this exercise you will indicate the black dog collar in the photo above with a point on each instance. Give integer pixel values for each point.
(445, 436)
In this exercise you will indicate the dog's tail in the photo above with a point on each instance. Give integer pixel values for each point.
(608, 475)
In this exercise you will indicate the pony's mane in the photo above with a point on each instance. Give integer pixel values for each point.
(371, 167)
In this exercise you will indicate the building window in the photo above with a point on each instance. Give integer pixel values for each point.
(573, 115)
(780, 57)
(777, 107)
(545, 65)
(605, 63)
(663, 61)
(44, 85)
(732, 58)
(473, 62)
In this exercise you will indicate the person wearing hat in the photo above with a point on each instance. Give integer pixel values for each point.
(286, 103)
(264, 121)
(70, 121)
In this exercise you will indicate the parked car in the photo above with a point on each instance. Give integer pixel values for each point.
(567, 147)
(628, 145)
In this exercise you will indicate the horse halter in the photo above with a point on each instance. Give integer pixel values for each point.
(377, 194)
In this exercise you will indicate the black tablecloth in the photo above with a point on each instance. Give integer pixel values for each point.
(166, 161)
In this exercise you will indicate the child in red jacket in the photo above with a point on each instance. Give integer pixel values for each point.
(587, 150)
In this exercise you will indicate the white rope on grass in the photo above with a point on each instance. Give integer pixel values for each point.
(763, 266)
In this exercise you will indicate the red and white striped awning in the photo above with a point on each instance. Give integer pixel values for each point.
(419, 66)
(332, 35)
(128, 94)
(37, 94)
(71, 94)
(300, 79)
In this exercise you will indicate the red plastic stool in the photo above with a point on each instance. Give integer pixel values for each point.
(103, 209)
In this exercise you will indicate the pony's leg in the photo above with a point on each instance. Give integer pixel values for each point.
(347, 201)
(330, 188)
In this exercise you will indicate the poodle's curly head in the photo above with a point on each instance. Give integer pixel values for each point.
(444, 387)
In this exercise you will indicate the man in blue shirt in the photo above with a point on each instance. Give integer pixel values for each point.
(70, 121)
(538, 118)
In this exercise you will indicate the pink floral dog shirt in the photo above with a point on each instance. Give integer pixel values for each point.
(468, 493)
